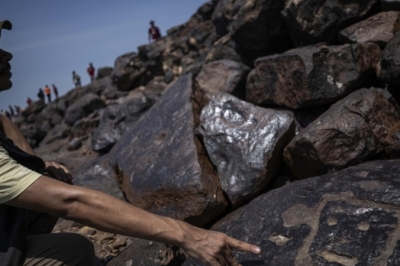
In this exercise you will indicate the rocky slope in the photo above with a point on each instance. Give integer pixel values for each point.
(275, 122)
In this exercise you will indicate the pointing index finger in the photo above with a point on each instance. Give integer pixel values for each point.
(243, 246)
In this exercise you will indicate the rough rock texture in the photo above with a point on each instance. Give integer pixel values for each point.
(389, 70)
(311, 76)
(98, 175)
(83, 107)
(258, 28)
(104, 72)
(346, 218)
(353, 130)
(167, 172)
(245, 143)
(223, 76)
(148, 253)
(313, 21)
(378, 29)
(116, 120)
(129, 72)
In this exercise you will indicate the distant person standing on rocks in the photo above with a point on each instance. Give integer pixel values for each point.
(17, 109)
(91, 70)
(154, 32)
(11, 110)
(77, 79)
(55, 91)
(40, 94)
(29, 101)
(47, 91)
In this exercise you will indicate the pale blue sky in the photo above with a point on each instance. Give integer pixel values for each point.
(50, 38)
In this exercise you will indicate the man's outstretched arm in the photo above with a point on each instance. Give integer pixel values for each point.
(102, 211)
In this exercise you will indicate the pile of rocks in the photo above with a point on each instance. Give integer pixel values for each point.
(217, 122)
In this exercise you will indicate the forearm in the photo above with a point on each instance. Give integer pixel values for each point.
(13, 133)
(99, 210)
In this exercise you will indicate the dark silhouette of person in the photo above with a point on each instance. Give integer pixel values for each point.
(55, 91)
(154, 32)
(29, 101)
(91, 70)
(11, 110)
(40, 95)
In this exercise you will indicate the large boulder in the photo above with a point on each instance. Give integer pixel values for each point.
(83, 107)
(346, 218)
(258, 28)
(313, 75)
(313, 21)
(104, 72)
(97, 174)
(245, 143)
(129, 72)
(353, 130)
(389, 66)
(161, 166)
(223, 76)
(378, 29)
(116, 120)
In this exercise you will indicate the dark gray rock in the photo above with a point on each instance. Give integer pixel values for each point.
(378, 29)
(222, 51)
(116, 120)
(389, 66)
(161, 166)
(144, 252)
(104, 72)
(313, 21)
(258, 29)
(74, 144)
(346, 218)
(223, 76)
(98, 175)
(355, 129)
(83, 107)
(85, 126)
(245, 143)
(129, 72)
(222, 16)
(313, 75)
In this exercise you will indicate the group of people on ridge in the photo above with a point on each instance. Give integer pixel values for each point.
(47, 92)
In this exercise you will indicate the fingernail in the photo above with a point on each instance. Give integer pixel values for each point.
(257, 249)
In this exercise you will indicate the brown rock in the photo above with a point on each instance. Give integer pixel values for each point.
(313, 21)
(378, 29)
(353, 130)
(313, 75)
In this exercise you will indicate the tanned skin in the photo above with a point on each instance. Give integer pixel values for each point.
(102, 211)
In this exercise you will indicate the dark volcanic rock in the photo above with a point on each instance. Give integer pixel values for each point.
(98, 175)
(313, 75)
(129, 72)
(245, 143)
(378, 29)
(116, 120)
(104, 72)
(148, 253)
(223, 76)
(389, 70)
(161, 166)
(85, 126)
(353, 130)
(313, 21)
(346, 218)
(222, 16)
(258, 29)
(83, 107)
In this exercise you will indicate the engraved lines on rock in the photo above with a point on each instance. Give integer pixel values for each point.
(301, 214)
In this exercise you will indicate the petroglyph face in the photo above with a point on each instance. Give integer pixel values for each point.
(342, 226)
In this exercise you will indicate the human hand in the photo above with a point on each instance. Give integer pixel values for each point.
(215, 248)
(60, 172)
